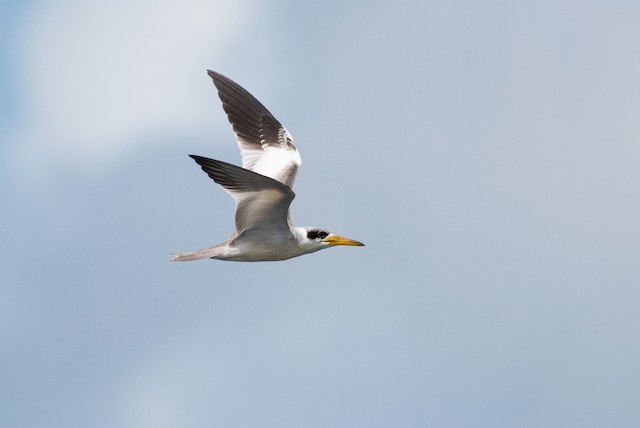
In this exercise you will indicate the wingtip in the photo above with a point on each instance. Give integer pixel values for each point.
(214, 75)
(199, 159)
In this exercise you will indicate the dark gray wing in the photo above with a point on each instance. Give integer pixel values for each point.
(262, 203)
(266, 146)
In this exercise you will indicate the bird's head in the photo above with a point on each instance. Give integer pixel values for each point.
(318, 239)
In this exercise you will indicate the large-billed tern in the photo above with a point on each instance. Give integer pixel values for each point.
(261, 189)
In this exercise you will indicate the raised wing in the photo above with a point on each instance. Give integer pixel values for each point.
(266, 146)
(262, 203)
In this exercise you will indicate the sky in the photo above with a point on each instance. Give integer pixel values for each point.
(486, 152)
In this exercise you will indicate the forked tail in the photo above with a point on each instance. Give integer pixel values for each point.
(205, 253)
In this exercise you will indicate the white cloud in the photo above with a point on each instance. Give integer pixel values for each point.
(102, 77)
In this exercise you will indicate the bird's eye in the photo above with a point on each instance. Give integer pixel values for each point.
(315, 234)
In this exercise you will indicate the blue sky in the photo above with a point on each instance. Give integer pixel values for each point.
(486, 152)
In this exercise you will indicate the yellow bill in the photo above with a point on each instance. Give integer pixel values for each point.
(334, 240)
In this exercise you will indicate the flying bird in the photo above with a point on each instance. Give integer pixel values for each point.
(261, 189)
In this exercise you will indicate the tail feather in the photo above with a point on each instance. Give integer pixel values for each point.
(205, 253)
